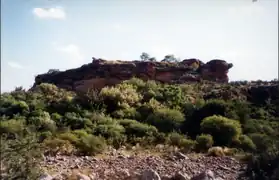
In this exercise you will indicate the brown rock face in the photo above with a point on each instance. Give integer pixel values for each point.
(102, 73)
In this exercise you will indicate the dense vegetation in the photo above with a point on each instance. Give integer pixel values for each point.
(193, 117)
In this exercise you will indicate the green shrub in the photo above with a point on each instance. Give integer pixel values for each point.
(68, 136)
(175, 138)
(45, 135)
(126, 122)
(75, 121)
(12, 128)
(109, 130)
(264, 166)
(91, 145)
(246, 143)
(21, 158)
(42, 121)
(170, 95)
(166, 120)
(140, 130)
(160, 138)
(187, 145)
(223, 130)
(130, 113)
(262, 141)
(136, 82)
(181, 141)
(56, 146)
(148, 108)
(192, 125)
(258, 126)
(204, 142)
(122, 96)
(80, 133)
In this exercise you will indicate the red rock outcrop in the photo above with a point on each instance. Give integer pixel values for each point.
(102, 73)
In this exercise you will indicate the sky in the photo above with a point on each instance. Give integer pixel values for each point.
(38, 35)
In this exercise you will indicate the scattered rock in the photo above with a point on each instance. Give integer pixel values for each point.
(80, 176)
(181, 156)
(205, 175)
(181, 176)
(150, 174)
(134, 168)
(45, 176)
(167, 177)
(92, 176)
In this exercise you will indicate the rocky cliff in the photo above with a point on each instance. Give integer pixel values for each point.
(100, 73)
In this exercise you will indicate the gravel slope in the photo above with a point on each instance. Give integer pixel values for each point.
(120, 166)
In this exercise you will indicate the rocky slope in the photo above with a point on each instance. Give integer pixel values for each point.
(142, 167)
(100, 73)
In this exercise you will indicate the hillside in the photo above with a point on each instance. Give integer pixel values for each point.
(122, 130)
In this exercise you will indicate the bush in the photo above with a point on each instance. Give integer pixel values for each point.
(42, 121)
(130, 113)
(166, 120)
(68, 136)
(56, 146)
(175, 138)
(91, 145)
(44, 135)
(204, 142)
(258, 126)
(12, 128)
(262, 141)
(195, 115)
(181, 141)
(136, 82)
(21, 158)
(140, 130)
(149, 108)
(109, 130)
(187, 145)
(264, 166)
(246, 143)
(122, 96)
(170, 95)
(223, 130)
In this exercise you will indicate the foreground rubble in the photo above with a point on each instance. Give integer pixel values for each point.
(142, 167)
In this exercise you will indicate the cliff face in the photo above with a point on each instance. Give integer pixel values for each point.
(101, 73)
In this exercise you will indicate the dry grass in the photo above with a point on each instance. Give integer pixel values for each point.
(216, 151)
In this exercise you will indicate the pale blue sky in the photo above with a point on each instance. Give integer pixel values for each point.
(38, 35)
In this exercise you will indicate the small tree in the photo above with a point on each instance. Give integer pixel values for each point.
(144, 56)
(20, 158)
(170, 58)
(153, 59)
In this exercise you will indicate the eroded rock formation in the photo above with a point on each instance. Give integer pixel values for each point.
(100, 73)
